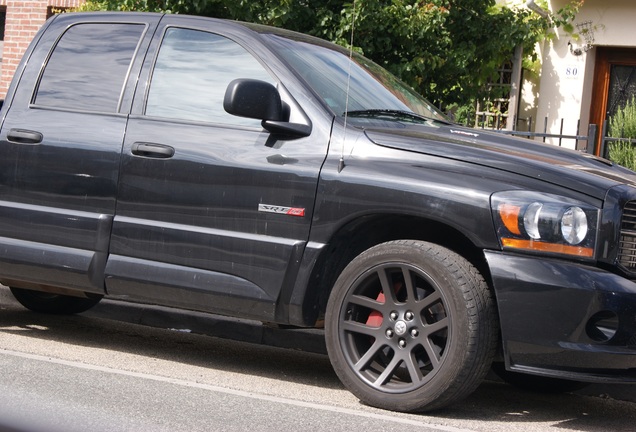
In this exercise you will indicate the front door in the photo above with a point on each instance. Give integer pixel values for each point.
(199, 220)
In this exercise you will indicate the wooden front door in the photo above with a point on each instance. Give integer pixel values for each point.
(614, 85)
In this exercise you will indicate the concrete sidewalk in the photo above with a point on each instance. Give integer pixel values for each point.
(310, 340)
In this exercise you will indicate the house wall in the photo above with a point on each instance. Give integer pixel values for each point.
(529, 99)
(23, 20)
(565, 88)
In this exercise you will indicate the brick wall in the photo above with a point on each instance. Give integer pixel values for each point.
(24, 19)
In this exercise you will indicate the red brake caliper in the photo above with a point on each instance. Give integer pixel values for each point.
(375, 317)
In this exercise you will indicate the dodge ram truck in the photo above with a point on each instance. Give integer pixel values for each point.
(254, 172)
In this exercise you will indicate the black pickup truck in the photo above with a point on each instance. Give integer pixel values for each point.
(254, 172)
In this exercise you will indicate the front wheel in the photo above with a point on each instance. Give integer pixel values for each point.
(410, 326)
(38, 301)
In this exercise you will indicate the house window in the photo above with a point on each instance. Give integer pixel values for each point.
(3, 19)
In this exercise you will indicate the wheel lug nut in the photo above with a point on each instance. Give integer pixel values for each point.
(389, 333)
(415, 333)
(409, 316)
(394, 316)
(402, 343)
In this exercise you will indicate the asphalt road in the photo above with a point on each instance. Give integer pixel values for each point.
(91, 373)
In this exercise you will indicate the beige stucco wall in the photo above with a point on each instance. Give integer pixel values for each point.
(565, 87)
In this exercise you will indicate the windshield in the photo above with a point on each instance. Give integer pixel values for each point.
(325, 68)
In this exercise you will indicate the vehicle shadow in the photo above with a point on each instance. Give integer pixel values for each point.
(493, 406)
(167, 343)
(499, 403)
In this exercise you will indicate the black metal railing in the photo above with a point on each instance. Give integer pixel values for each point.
(582, 142)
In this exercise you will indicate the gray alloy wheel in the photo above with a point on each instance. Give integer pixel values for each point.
(53, 303)
(410, 326)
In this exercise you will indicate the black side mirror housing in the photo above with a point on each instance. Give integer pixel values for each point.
(260, 100)
(253, 99)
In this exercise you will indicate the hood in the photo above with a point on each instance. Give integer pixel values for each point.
(572, 169)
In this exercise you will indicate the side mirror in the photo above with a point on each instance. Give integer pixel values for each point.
(260, 100)
(253, 99)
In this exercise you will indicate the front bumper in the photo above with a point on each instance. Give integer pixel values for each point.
(564, 319)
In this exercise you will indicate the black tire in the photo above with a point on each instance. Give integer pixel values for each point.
(43, 302)
(535, 383)
(428, 344)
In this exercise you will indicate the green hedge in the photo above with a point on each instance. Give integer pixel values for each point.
(623, 125)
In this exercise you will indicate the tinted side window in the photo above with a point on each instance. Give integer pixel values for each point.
(88, 67)
(192, 71)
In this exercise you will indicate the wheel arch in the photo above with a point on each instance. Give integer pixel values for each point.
(365, 232)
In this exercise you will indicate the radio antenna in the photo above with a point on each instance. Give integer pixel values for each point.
(341, 162)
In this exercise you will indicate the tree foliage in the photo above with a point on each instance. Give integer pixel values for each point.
(445, 49)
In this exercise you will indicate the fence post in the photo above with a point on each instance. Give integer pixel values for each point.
(592, 130)
(603, 136)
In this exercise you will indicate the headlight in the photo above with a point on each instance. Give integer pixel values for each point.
(545, 223)
(574, 225)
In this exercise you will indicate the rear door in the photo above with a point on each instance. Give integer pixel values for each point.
(213, 212)
(60, 149)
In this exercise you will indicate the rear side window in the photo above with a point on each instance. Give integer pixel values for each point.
(88, 67)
